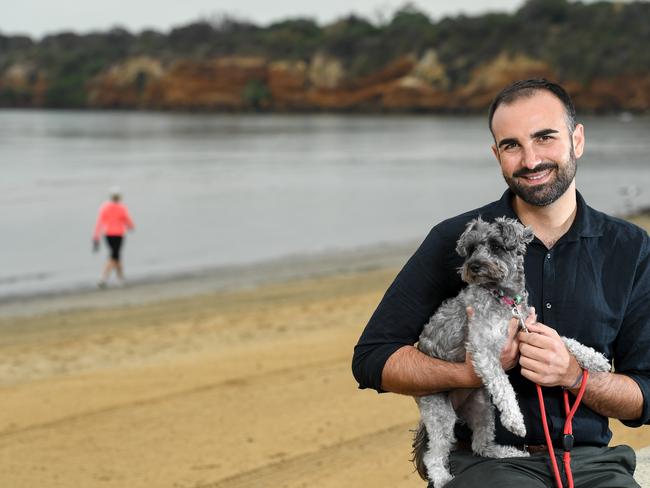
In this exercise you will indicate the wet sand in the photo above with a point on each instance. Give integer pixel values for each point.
(215, 389)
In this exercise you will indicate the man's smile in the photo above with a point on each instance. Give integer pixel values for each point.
(538, 177)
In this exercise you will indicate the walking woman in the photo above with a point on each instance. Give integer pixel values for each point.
(113, 221)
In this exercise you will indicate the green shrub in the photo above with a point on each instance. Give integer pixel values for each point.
(256, 94)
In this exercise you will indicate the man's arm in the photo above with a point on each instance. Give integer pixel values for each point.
(411, 372)
(613, 395)
(546, 361)
(428, 278)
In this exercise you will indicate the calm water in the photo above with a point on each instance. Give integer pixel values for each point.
(212, 190)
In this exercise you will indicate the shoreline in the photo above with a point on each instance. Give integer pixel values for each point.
(210, 280)
(185, 284)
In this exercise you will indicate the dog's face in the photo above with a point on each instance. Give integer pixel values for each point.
(493, 252)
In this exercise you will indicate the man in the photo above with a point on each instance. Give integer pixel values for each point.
(113, 220)
(588, 277)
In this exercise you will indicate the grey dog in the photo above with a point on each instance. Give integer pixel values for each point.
(494, 271)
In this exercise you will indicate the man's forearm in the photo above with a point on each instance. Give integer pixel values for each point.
(613, 395)
(411, 372)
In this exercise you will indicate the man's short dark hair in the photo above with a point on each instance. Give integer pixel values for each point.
(527, 88)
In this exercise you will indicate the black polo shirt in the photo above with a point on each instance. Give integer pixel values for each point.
(593, 285)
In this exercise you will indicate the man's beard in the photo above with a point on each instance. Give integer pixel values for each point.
(547, 193)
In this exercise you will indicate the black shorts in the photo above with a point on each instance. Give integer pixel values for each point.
(114, 244)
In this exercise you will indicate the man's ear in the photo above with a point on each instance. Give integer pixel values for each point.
(578, 137)
(495, 151)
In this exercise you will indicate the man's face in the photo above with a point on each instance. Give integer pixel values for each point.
(534, 148)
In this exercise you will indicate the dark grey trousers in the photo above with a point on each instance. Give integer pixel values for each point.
(592, 467)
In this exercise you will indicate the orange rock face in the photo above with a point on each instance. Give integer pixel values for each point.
(287, 82)
(217, 84)
(125, 85)
(322, 83)
(488, 79)
(621, 93)
(23, 85)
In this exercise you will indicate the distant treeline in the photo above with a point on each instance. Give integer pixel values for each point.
(580, 41)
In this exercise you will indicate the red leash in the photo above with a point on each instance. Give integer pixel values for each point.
(567, 440)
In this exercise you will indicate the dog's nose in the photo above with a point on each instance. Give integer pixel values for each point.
(475, 268)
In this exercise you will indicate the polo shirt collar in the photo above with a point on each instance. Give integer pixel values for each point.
(588, 222)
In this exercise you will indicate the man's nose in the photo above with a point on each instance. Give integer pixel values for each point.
(531, 158)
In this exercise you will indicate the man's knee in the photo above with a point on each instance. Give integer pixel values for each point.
(605, 466)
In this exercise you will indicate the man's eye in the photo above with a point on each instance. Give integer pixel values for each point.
(510, 146)
(545, 138)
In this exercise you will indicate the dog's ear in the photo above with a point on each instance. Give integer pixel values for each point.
(464, 239)
(528, 234)
(461, 245)
(514, 234)
(508, 229)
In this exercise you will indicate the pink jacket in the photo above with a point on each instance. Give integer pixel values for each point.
(113, 220)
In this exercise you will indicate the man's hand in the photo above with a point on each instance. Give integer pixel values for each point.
(544, 358)
(510, 351)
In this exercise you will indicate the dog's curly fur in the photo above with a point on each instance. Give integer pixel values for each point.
(494, 261)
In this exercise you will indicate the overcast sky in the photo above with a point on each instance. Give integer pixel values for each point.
(38, 17)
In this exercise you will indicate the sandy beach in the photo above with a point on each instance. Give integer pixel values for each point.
(187, 386)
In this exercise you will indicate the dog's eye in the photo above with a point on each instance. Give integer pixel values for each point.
(497, 246)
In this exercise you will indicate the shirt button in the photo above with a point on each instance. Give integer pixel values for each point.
(548, 305)
(548, 256)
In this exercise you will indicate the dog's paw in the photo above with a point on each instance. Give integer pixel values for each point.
(587, 357)
(514, 422)
(497, 451)
(518, 429)
(442, 479)
(437, 471)
(599, 363)
(507, 452)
